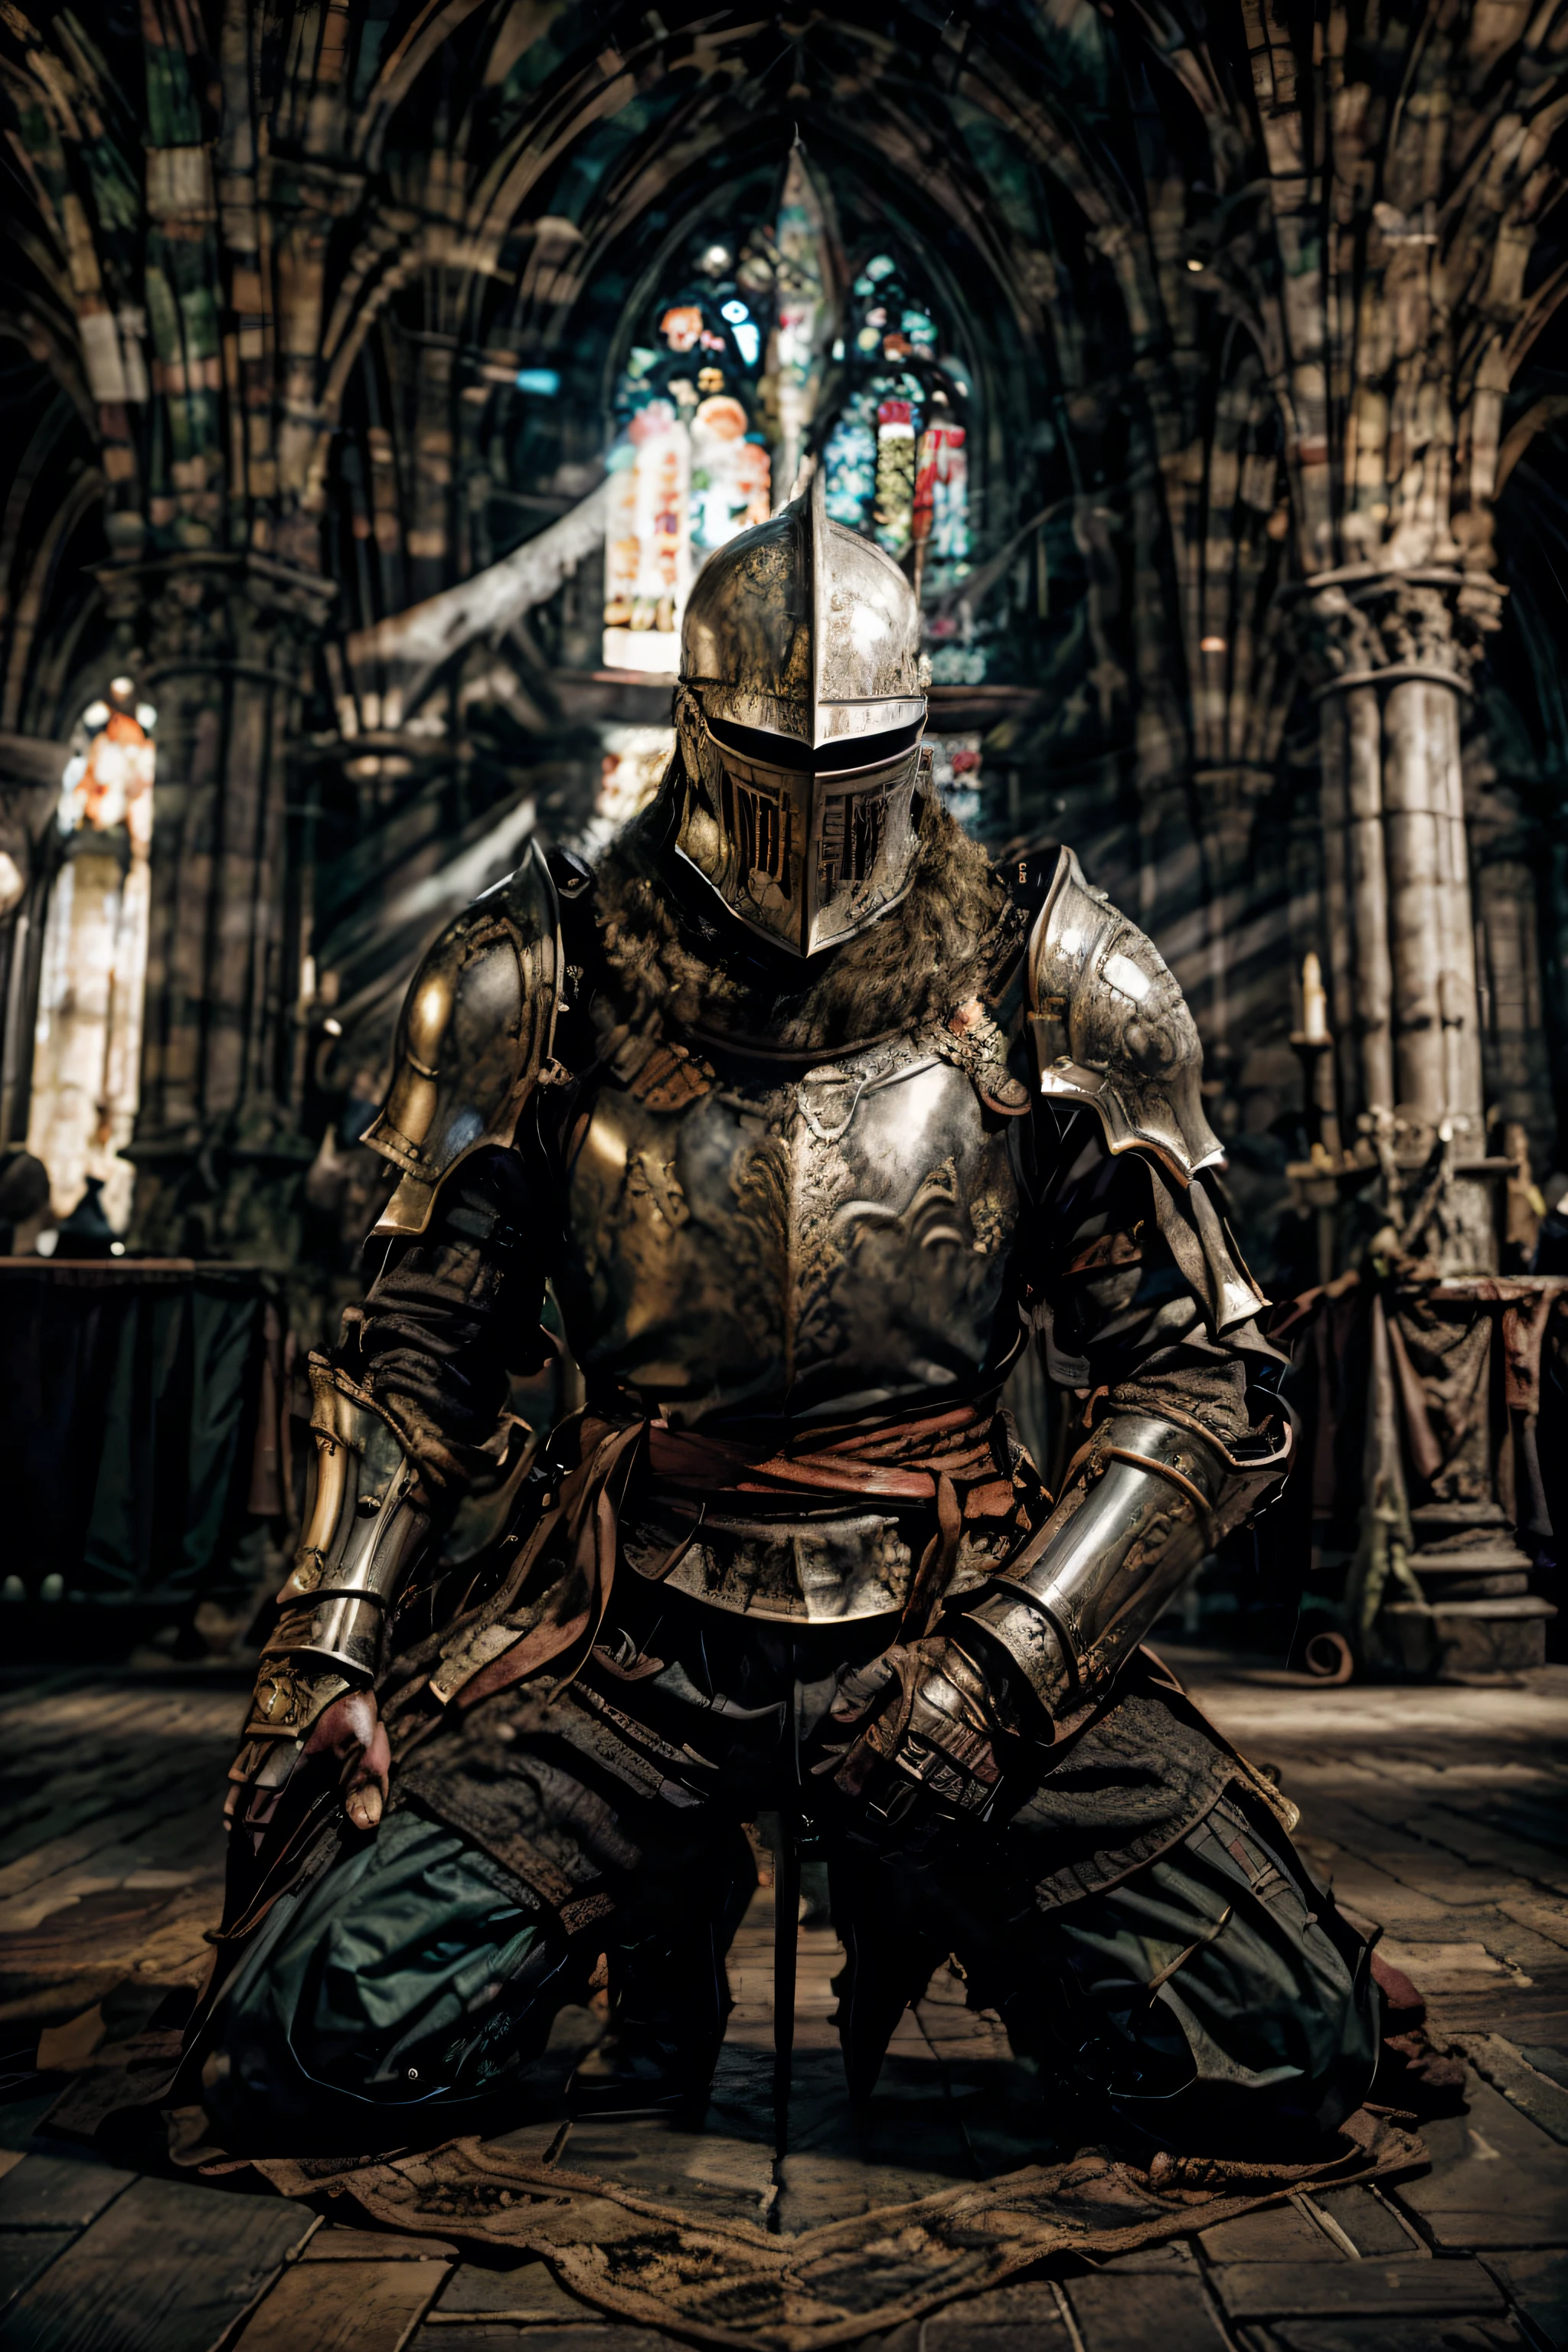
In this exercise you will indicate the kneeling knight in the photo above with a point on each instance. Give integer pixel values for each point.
(809, 1130)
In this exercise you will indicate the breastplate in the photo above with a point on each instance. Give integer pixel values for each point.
(817, 1249)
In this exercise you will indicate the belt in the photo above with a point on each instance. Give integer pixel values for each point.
(537, 1620)
(897, 1463)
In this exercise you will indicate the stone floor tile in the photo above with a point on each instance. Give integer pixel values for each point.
(1496, 2179)
(1274, 2290)
(1371, 2226)
(334, 2243)
(1277, 2233)
(530, 2292)
(1386, 2335)
(64, 2192)
(1537, 2281)
(1507, 2069)
(166, 2267)
(1116, 2312)
(25, 2255)
(342, 2307)
(501, 2336)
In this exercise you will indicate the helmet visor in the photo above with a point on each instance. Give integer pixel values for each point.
(810, 850)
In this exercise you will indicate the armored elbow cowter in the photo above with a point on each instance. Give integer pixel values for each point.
(370, 1521)
(1146, 1498)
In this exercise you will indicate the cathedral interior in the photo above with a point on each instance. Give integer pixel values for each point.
(377, 377)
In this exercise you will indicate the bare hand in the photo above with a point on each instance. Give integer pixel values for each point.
(351, 1733)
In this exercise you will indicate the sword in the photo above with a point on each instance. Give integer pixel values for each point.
(786, 1917)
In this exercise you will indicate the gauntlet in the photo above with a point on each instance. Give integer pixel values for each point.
(938, 1726)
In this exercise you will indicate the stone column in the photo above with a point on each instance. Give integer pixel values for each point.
(223, 645)
(1393, 653)
(1442, 1587)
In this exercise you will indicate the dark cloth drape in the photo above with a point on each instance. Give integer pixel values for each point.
(128, 1404)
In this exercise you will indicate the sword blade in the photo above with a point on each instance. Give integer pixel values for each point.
(786, 1916)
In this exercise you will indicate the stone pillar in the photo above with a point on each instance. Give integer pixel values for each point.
(1392, 653)
(224, 647)
(1440, 1585)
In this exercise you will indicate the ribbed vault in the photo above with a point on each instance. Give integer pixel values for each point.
(1248, 303)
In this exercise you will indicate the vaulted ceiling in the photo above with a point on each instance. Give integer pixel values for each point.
(1249, 294)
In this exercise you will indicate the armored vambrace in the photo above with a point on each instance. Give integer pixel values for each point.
(370, 1520)
(1146, 1499)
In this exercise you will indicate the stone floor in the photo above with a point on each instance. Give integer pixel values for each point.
(1436, 1812)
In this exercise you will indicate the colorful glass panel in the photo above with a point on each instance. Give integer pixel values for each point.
(896, 456)
(87, 1042)
(690, 465)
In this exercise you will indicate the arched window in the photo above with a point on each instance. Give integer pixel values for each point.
(897, 455)
(87, 1043)
(711, 415)
(724, 394)
(690, 465)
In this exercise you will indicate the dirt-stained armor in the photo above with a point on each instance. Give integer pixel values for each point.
(811, 1133)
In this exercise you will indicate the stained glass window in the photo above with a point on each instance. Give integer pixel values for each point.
(955, 773)
(86, 1043)
(896, 454)
(712, 414)
(690, 468)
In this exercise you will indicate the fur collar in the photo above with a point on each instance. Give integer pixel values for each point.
(677, 959)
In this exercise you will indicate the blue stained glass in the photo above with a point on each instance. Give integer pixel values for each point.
(850, 459)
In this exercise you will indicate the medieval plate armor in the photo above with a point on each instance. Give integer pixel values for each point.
(1112, 1028)
(800, 1211)
(473, 1039)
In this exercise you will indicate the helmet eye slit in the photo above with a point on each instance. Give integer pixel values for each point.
(853, 824)
(867, 819)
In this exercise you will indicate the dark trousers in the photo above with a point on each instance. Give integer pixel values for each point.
(1210, 2001)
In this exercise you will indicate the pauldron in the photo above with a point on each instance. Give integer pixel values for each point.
(1144, 1500)
(1111, 1027)
(473, 1039)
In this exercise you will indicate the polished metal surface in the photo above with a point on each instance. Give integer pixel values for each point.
(823, 1248)
(475, 1032)
(285, 1703)
(802, 628)
(799, 714)
(1136, 1521)
(364, 1530)
(820, 1249)
(1112, 1029)
(808, 1246)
